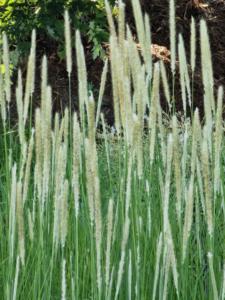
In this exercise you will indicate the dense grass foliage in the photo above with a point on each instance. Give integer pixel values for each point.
(131, 212)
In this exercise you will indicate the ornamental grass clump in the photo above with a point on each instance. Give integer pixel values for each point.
(135, 211)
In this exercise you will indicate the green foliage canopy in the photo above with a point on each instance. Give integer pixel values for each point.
(19, 17)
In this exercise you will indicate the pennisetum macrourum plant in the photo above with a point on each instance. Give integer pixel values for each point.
(135, 211)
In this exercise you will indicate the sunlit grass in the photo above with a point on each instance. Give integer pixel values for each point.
(131, 212)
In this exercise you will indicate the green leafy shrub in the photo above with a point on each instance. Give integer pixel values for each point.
(19, 17)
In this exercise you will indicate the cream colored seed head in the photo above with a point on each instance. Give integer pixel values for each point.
(172, 35)
(68, 43)
(33, 55)
(207, 182)
(82, 75)
(193, 44)
(44, 81)
(76, 162)
(101, 91)
(19, 102)
(218, 141)
(91, 118)
(165, 83)
(206, 59)
(148, 41)
(110, 19)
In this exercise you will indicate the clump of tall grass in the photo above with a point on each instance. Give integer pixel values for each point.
(133, 213)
